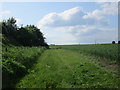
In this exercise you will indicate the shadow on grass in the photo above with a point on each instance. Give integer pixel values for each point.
(10, 80)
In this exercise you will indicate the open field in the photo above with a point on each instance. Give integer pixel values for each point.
(73, 67)
(108, 55)
(109, 51)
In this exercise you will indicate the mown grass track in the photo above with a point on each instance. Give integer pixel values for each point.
(58, 68)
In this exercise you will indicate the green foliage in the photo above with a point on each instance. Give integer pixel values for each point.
(29, 35)
(9, 27)
(16, 61)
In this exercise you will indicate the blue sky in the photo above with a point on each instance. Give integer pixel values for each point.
(31, 12)
(67, 22)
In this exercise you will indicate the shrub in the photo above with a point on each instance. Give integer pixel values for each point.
(118, 42)
(16, 61)
(113, 42)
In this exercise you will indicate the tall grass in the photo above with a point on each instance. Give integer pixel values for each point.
(16, 61)
(109, 51)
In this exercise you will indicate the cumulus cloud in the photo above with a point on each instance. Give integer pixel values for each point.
(99, 16)
(55, 36)
(80, 34)
(75, 25)
(67, 18)
(83, 30)
(110, 8)
(76, 16)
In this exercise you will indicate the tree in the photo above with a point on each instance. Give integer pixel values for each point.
(29, 35)
(118, 42)
(113, 42)
(9, 27)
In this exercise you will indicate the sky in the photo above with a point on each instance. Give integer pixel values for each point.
(67, 22)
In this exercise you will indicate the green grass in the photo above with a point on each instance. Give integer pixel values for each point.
(107, 55)
(109, 51)
(58, 68)
(65, 66)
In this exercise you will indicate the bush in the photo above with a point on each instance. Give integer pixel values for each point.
(16, 61)
(118, 42)
(113, 42)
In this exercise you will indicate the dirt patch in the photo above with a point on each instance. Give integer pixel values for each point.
(104, 60)
(112, 66)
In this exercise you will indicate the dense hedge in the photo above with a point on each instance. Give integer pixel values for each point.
(16, 62)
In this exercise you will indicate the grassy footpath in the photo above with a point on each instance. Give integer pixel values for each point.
(57, 68)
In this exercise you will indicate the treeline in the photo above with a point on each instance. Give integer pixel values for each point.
(20, 50)
(28, 35)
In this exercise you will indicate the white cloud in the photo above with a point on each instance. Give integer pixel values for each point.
(64, 38)
(96, 14)
(67, 18)
(80, 34)
(55, 36)
(110, 8)
(76, 26)
(5, 12)
(99, 16)
(77, 16)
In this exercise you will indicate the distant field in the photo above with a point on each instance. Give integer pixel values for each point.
(108, 55)
(109, 51)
